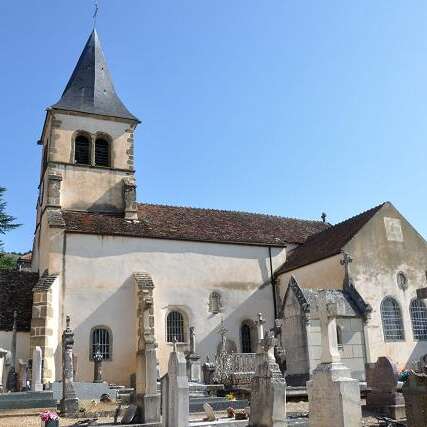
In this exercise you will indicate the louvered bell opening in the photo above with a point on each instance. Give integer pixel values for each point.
(102, 155)
(82, 151)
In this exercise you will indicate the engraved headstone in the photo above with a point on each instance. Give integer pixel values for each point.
(415, 393)
(69, 402)
(22, 374)
(36, 383)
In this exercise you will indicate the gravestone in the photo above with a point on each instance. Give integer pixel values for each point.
(210, 414)
(36, 383)
(69, 403)
(382, 378)
(334, 397)
(268, 391)
(176, 395)
(97, 366)
(22, 375)
(208, 371)
(3, 354)
(415, 394)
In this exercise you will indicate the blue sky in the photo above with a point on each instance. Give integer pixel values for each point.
(283, 107)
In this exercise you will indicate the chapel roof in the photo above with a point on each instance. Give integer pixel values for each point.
(195, 224)
(16, 293)
(327, 242)
(90, 88)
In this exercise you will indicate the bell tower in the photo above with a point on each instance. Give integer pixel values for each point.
(88, 144)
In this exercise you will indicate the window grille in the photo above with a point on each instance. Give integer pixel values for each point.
(82, 150)
(102, 155)
(175, 327)
(418, 312)
(215, 305)
(246, 339)
(101, 337)
(392, 320)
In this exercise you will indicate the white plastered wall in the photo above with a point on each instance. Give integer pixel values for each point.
(99, 290)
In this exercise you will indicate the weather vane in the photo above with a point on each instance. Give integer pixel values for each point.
(95, 14)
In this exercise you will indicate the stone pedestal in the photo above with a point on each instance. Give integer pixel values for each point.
(36, 382)
(3, 354)
(334, 397)
(415, 394)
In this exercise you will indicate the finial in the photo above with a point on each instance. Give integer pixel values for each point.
(95, 14)
(260, 318)
(323, 216)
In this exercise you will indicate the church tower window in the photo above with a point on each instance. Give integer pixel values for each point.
(102, 152)
(82, 150)
(418, 312)
(392, 320)
(175, 327)
(101, 337)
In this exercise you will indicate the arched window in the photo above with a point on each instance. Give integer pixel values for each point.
(102, 152)
(392, 320)
(215, 305)
(101, 336)
(418, 311)
(175, 327)
(245, 332)
(82, 150)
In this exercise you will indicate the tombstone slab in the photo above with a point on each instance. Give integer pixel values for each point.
(3, 354)
(382, 379)
(36, 383)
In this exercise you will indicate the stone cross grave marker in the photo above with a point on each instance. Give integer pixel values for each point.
(328, 329)
(36, 383)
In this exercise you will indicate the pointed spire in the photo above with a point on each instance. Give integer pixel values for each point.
(90, 88)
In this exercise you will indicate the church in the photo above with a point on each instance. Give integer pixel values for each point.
(98, 253)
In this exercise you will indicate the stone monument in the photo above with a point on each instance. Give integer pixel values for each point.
(36, 383)
(268, 396)
(69, 403)
(382, 378)
(22, 375)
(12, 377)
(334, 396)
(147, 396)
(194, 369)
(3, 354)
(176, 391)
(97, 365)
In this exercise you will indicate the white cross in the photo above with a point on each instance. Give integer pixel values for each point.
(328, 329)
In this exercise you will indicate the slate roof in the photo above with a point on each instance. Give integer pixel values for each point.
(16, 293)
(90, 88)
(327, 242)
(194, 224)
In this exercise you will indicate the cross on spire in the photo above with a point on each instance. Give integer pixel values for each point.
(95, 14)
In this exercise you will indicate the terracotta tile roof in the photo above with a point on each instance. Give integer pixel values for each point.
(194, 224)
(16, 293)
(26, 257)
(328, 242)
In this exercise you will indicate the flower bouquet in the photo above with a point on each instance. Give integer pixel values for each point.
(49, 419)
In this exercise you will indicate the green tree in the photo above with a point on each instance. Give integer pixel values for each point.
(7, 223)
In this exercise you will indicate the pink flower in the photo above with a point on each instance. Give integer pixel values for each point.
(47, 416)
